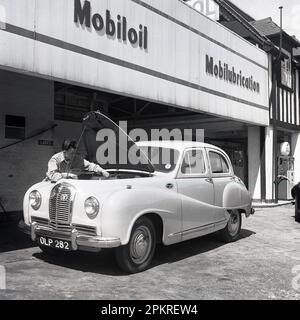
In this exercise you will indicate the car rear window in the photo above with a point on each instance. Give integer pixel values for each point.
(218, 163)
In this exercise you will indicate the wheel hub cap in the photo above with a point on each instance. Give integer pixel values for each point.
(233, 224)
(140, 245)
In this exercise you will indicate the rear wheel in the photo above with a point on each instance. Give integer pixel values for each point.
(136, 256)
(233, 228)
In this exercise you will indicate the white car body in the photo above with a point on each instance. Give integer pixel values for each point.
(181, 206)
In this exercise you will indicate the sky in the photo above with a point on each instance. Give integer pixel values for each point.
(260, 9)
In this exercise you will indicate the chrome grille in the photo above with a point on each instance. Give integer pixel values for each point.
(81, 229)
(85, 230)
(40, 221)
(60, 205)
(60, 226)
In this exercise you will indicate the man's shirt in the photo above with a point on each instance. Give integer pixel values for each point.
(58, 163)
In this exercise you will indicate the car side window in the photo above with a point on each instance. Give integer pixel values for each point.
(218, 163)
(193, 162)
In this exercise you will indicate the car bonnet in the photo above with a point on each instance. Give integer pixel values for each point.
(120, 148)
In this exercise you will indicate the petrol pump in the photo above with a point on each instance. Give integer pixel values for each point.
(285, 172)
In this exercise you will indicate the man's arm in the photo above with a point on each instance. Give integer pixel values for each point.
(90, 166)
(53, 171)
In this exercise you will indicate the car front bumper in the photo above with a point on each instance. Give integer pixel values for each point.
(76, 239)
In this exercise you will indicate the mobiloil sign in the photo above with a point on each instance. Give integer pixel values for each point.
(83, 15)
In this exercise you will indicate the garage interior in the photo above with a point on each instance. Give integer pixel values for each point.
(72, 102)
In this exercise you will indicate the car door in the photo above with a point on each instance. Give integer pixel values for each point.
(221, 174)
(197, 193)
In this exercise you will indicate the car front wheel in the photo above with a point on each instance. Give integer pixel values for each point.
(136, 256)
(233, 228)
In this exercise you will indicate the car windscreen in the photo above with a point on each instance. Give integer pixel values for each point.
(163, 159)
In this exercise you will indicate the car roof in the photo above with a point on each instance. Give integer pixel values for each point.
(177, 144)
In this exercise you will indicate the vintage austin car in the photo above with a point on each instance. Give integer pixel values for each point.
(139, 205)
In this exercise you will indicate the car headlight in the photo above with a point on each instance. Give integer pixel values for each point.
(35, 199)
(91, 206)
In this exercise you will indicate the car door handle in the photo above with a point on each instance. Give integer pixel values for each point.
(169, 185)
(210, 180)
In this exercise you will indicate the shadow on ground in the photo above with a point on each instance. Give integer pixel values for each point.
(104, 262)
(11, 238)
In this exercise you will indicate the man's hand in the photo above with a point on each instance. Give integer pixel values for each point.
(102, 171)
(56, 176)
(105, 173)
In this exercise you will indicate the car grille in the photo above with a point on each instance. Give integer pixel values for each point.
(40, 221)
(61, 204)
(85, 230)
(81, 229)
(60, 226)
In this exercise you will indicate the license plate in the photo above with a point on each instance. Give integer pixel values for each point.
(55, 243)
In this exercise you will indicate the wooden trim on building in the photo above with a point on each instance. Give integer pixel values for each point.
(285, 125)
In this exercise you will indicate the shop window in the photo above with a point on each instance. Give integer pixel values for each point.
(14, 127)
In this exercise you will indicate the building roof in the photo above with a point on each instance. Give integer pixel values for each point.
(269, 28)
(237, 27)
(242, 23)
(235, 8)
